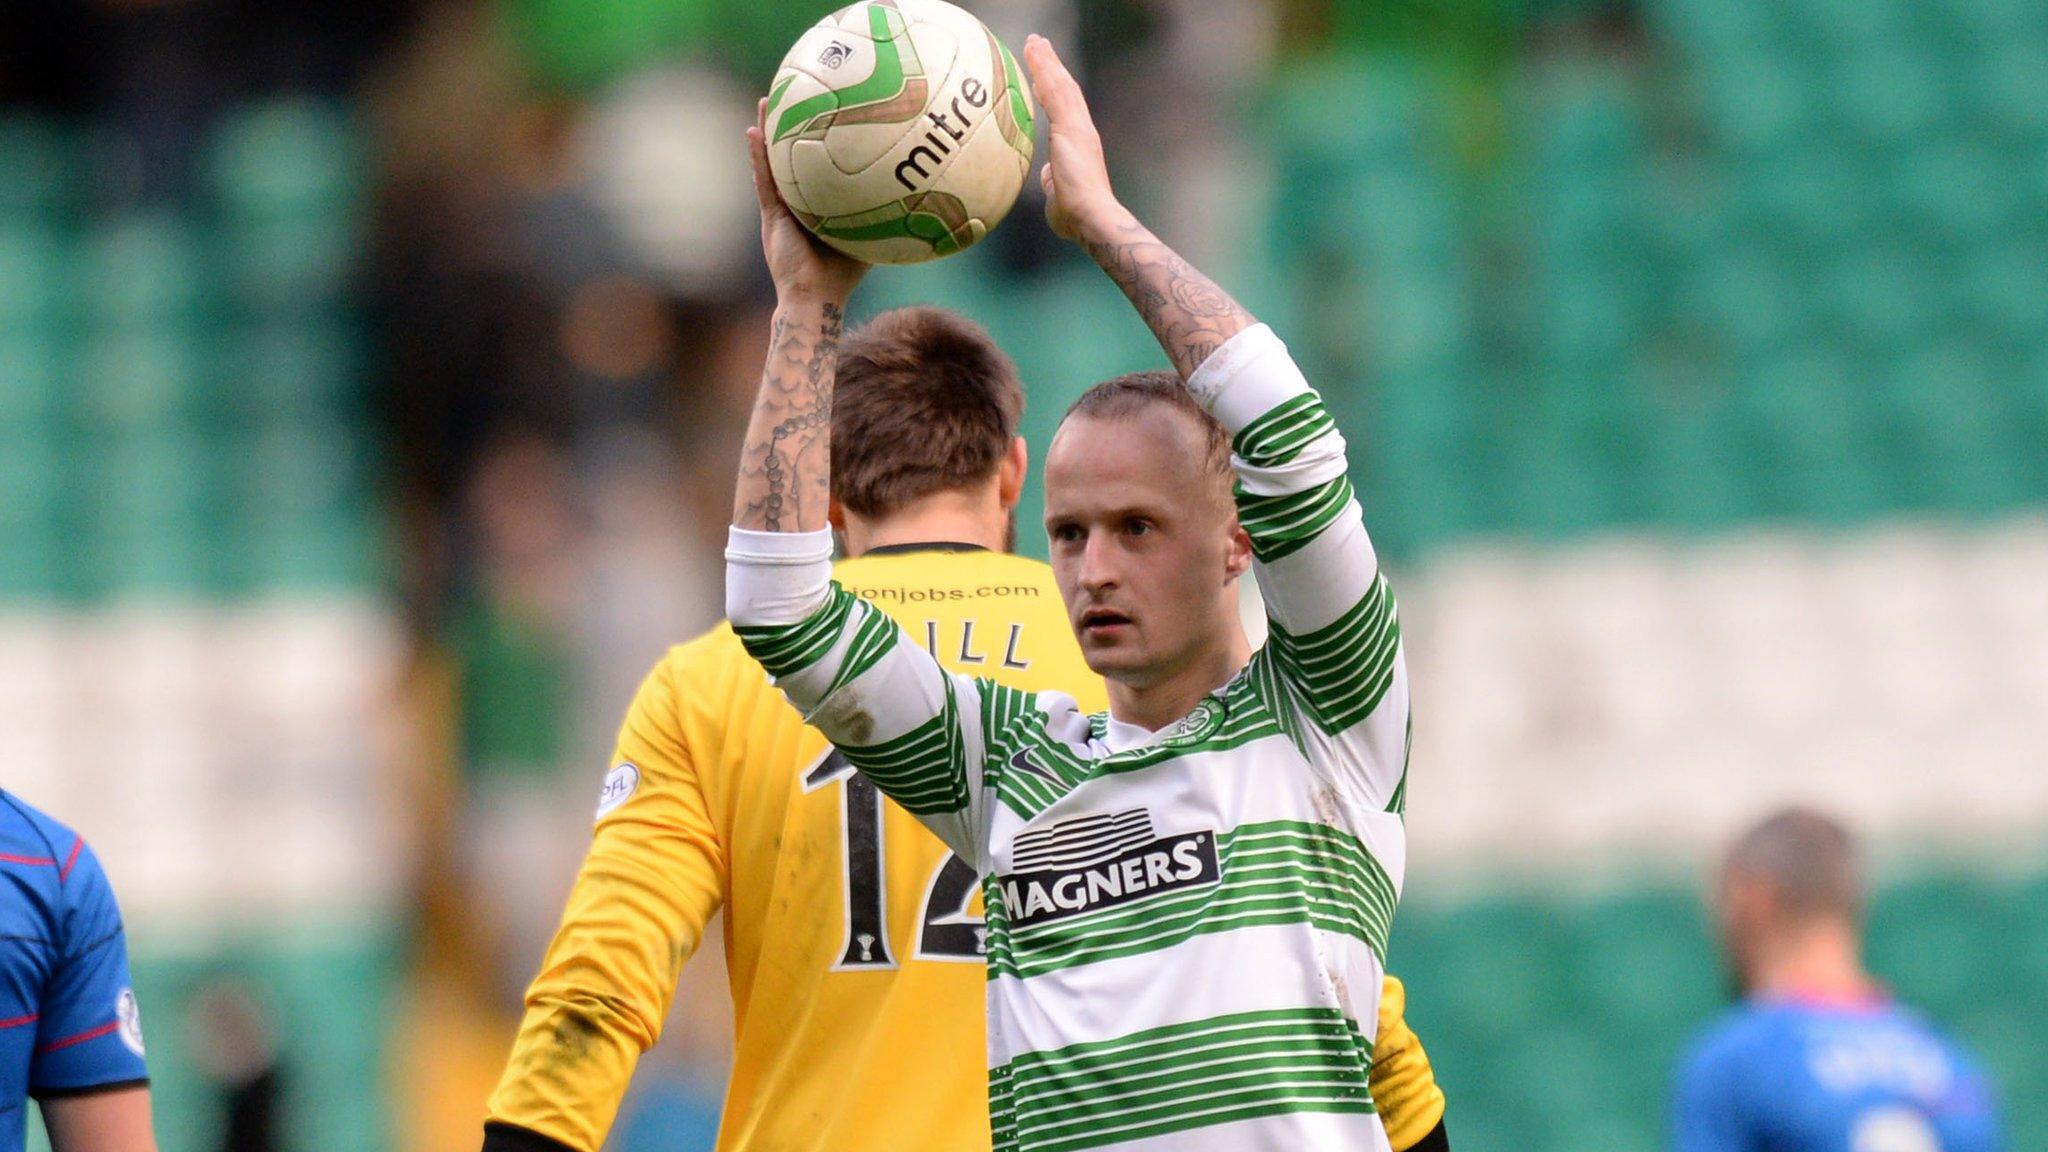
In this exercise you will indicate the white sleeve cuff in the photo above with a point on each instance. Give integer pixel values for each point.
(776, 577)
(1246, 378)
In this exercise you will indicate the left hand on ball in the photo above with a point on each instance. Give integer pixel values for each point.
(802, 266)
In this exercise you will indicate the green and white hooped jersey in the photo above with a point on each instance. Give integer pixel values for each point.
(1186, 929)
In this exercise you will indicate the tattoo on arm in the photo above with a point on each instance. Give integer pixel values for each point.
(1190, 315)
(786, 467)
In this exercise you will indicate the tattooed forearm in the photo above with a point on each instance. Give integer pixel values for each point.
(785, 468)
(1190, 315)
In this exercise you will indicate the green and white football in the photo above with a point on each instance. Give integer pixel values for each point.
(899, 131)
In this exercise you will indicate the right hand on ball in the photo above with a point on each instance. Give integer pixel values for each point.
(1079, 203)
(802, 266)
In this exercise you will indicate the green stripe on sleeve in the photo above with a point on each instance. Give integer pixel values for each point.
(1283, 432)
(1280, 526)
(1342, 670)
(786, 649)
(925, 769)
(873, 638)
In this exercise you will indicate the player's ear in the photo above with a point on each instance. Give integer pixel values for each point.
(1238, 560)
(835, 515)
(1011, 472)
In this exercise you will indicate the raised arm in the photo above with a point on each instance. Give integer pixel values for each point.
(1334, 647)
(901, 719)
(786, 466)
(1190, 315)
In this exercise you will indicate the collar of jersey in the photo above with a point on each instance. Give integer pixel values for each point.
(931, 546)
(1122, 736)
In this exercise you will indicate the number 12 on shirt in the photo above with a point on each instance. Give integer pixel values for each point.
(946, 929)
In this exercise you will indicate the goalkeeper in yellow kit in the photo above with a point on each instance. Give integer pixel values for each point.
(853, 937)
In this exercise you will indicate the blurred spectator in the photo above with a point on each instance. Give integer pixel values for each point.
(509, 638)
(235, 1046)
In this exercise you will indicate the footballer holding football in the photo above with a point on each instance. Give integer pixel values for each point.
(854, 947)
(856, 961)
(1187, 895)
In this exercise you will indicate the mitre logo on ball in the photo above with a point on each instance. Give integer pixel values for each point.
(899, 131)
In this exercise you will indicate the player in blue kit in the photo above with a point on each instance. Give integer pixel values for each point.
(1818, 1059)
(70, 1035)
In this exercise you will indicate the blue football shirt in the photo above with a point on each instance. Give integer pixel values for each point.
(68, 1020)
(1793, 1076)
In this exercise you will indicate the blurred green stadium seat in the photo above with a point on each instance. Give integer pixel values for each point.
(1384, 101)
(2002, 88)
(2003, 291)
(1717, 27)
(141, 379)
(286, 159)
(1692, 475)
(1646, 964)
(32, 514)
(291, 265)
(291, 473)
(1810, 432)
(1083, 300)
(1760, 105)
(33, 378)
(308, 368)
(33, 293)
(1887, 95)
(144, 272)
(1874, 295)
(1816, 199)
(1858, 27)
(1957, 193)
(1747, 298)
(337, 553)
(38, 160)
(148, 515)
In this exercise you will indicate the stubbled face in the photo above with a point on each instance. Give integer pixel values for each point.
(1145, 544)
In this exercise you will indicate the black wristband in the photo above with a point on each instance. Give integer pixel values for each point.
(502, 1137)
(1438, 1140)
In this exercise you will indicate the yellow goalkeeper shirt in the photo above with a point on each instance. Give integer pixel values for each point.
(853, 937)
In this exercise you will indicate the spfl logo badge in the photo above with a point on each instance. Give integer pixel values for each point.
(834, 55)
(619, 785)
